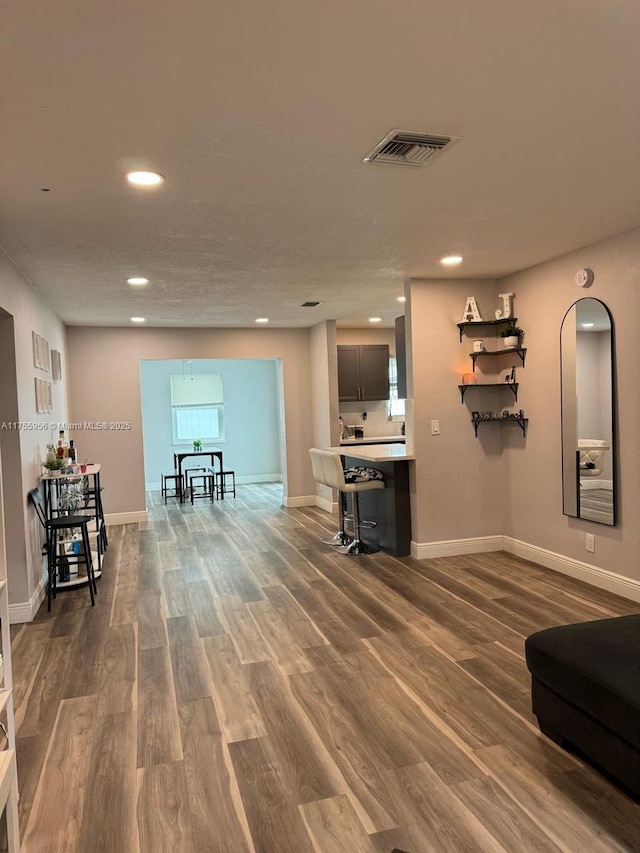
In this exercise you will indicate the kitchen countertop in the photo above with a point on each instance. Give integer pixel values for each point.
(374, 439)
(375, 452)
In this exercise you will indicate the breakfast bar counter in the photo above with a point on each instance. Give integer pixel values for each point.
(390, 507)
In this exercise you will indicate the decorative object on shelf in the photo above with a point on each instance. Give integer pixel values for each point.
(506, 312)
(511, 377)
(478, 346)
(584, 277)
(469, 379)
(475, 416)
(470, 313)
(506, 413)
(511, 335)
(197, 444)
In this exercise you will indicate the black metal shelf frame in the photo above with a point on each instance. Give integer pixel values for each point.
(522, 423)
(467, 323)
(512, 385)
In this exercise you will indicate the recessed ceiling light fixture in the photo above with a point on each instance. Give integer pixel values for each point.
(137, 319)
(262, 320)
(588, 325)
(145, 179)
(401, 299)
(451, 260)
(375, 319)
(137, 281)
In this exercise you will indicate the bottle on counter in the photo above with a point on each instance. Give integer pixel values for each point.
(73, 455)
(64, 569)
(51, 454)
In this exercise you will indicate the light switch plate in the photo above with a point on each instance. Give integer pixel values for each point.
(435, 427)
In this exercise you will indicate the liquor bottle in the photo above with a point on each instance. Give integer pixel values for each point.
(72, 452)
(64, 570)
(60, 452)
(51, 454)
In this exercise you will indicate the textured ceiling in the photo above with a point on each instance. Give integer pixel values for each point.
(259, 115)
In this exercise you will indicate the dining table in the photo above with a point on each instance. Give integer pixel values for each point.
(212, 453)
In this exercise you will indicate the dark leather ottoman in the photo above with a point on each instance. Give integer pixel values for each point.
(585, 691)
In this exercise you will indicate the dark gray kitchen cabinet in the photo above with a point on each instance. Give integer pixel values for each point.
(363, 373)
(401, 358)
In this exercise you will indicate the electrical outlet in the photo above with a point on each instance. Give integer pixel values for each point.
(590, 543)
(435, 427)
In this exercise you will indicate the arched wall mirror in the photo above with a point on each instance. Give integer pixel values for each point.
(588, 425)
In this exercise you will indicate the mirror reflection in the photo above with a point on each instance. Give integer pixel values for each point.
(588, 475)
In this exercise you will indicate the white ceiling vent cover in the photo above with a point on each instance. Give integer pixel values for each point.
(409, 149)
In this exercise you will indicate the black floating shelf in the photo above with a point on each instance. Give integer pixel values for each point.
(521, 353)
(468, 323)
(512, 385)
(522, 423)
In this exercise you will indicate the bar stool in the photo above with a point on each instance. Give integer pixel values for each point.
(223, 486)
(53, 528)
(204, 480)
(317, 467)
(177, 487)
(333, 475)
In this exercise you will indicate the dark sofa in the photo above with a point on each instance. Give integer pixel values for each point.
(585, 689)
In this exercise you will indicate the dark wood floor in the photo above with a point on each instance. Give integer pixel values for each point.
(240, 686)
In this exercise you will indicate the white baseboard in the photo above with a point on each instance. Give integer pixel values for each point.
(241, 479)
(25, 611)
(327, 505)
(301, 500)
(456, 547)
(127, 517)
(594, 575)
(607, 485)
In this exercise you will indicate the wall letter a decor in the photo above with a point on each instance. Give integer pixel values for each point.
(471, 313)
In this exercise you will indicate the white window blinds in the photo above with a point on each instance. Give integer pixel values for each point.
(199, 390)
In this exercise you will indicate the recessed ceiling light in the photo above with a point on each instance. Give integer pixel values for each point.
(451, 260)
(137, 281)
(137, 319)
(375, 319)
(588, 325)
(401, 299)
(145, 179)
(262, 320)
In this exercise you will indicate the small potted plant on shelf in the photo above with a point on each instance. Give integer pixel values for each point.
(54, 466)
(511, 335)
(197, 444)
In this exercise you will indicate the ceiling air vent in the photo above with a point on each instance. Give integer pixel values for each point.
(408, 149)
(309, 304)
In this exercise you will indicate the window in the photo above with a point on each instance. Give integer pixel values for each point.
(395, 407)
(197, 408)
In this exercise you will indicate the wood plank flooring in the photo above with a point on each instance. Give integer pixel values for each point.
(241, 688)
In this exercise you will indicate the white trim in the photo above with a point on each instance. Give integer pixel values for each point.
(456, 547)
(593, 575)
(302, 500)
(138, 517)
(587, 484)
(327, 505)
(25, 611)
(241, 479)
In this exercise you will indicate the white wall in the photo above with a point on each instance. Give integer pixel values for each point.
(24, 452)
(502, 483)
(105, 386)
(250, 389)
